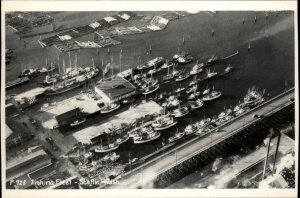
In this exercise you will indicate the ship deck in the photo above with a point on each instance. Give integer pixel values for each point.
(47, 114)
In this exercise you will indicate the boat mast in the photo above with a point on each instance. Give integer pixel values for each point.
(75, 62)
(121, 60)
(70, 64)
(112, 67)
(93, 63)
(58, 64)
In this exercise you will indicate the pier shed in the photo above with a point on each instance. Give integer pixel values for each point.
(115, 89)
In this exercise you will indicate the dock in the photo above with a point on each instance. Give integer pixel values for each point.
(33, 93)
(48, 112)
(85, 135)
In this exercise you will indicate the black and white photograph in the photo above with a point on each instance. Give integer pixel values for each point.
(138, 99)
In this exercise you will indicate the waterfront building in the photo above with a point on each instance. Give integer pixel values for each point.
(115, 89)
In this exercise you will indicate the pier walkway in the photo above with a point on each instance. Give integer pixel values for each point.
(144, 174)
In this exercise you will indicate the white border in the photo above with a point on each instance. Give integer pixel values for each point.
(145, 6)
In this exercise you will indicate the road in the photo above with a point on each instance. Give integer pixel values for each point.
(148, 171)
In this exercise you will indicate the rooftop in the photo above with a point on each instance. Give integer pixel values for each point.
(116, 87)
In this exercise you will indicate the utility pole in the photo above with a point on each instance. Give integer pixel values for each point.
(266, 160)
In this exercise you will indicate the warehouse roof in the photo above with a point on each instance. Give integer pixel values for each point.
(116, 87)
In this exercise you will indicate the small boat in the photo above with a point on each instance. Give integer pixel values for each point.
(180, 89)
(190, 129)
(123, 139)
(182, 77)
(165, 123)
(168, 77)
(176, 137)
(109, 107)
(183, 58)
(206, 91)
(213, 59)
(253, 97)
(212, 95)
(193, 95)
(211, 74)
(154, 71)
(144, 138)
(196, 104)
(78, 122)
(168, 64)
(127, 101)
(192, 89)
(197, 69)
(177, 73)
(180, 112)
(45, 70)
(28, 73)
(149, 83)
(111, 157)
(150, 89)
(107, 148)
(228, 68)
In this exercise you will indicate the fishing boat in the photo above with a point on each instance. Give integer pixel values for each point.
(190, 129)
(111, 157)
(253, 97)
(228, 68)
(165, 123)
(123, 139)
(212, 95)
(152, 63)
(196, 104)
(109, 107)
(29, 73)
(176, 137)
(169, 75)
(150, 89)
(213, 59)
(211, 74)
(182, 77)
(78, 122)
(154, 71)
(206, 91)
(106, 148)
(179, 89)
(194, 95)
(194, 81)
(192, 89)
(197, 68)
(172, 101)
(183, 58)
(167, 64)
(146, 137)
(180, 112)
(148, 83)
(63, 88)
(127, 101)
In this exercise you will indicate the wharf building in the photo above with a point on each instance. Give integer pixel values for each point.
(115, 90)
